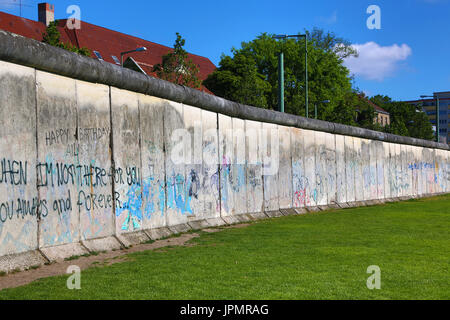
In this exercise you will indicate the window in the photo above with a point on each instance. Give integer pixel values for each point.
(99, 56)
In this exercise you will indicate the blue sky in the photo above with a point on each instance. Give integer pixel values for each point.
(407, 57)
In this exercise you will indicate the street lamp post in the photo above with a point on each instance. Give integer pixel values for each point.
(315, 107)
(281, 85)
(281, 82)
(131, 51)
(437, 114)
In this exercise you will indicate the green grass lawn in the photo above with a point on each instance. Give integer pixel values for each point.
(317, 256)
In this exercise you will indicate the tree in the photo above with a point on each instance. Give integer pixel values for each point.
(177, 68)
(381, 101)
(256, 62)
(240, 81)
(366, 114)
(52, 36)
(329, 41)
(347, 113)
(406, 119)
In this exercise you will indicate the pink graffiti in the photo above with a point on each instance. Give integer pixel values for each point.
(301, 198)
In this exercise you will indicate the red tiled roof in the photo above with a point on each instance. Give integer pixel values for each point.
(24, 27)
(107, 42)
(376, 107)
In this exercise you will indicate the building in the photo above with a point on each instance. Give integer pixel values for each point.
(381, 116)
(105, 44)
(429, 107)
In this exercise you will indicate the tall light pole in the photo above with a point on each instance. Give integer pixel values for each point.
(281, 85)
(437, 114)
(315, 107)
(131, 51)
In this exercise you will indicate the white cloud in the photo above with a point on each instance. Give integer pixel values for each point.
(376, 62)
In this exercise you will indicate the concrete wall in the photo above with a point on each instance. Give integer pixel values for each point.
(89, 165)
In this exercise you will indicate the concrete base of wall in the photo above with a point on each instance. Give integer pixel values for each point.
(133, 238)
(198, 225)
(356, 204)
(251, 217)
(60, 253)
(300, 211)
(157, 234)
(288, 212)
(274, 214)
(243, 218)
(180, 228)
(21, 261)
(216, 222)
(343, 205)
(230, 220)
(312, 209)
(258, 216)
(103, 244)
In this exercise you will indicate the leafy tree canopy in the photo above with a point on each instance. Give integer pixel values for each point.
(406, 119)
(177, 68)
(250, 75)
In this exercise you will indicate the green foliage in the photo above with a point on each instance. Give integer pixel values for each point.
(250, 76)
(366, 113)
(381, 101)
(52, 36)
(347, 113)
(240, 81)
(330, 42)
(406, 119)
(177, 68)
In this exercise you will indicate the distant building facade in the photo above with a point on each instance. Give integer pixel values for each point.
(429, 107)
(382, 117)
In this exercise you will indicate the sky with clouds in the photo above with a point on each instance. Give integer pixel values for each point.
(409, 56)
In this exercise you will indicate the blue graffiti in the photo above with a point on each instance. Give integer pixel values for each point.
(421, 166)
(133, 207)
(178, 197)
